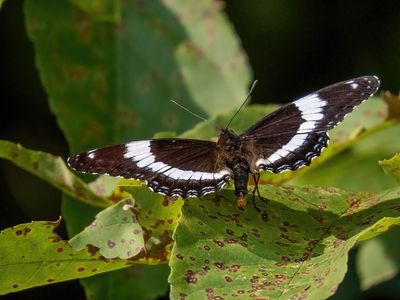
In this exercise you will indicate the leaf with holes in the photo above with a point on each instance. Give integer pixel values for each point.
(296, 247)
(115, 231)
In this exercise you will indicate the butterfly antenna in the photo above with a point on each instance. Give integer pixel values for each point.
(244, 102)
(189, 111)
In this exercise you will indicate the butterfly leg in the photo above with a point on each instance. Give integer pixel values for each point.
(256, 178)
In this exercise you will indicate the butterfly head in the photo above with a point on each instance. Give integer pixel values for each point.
(228, 139)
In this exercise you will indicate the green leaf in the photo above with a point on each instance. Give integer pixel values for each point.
(392, 166)
(297, 247)
(115, 231)
(53, 170)
(378, 259)
(33, 255)
(101, 66)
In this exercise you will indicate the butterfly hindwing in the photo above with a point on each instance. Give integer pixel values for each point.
(172, 167)
(293, 135)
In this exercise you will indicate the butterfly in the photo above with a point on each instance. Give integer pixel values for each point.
(286, 139)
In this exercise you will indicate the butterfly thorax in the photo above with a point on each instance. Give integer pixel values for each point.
(230, 152)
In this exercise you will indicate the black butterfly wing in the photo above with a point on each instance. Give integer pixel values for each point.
(183, 167)
(293, 135)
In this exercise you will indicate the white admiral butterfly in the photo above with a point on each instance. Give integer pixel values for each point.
(287, 139)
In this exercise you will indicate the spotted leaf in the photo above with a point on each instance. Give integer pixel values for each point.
(115, 231)
(296, 247)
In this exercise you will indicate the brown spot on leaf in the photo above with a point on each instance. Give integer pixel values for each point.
(264, 217)
(244, 237)
(282, 244)
(231, 241)
(230, 231)
(190, 277)
(55, 239)
(319, 219)
(81, 269)
(110, 244)
(312, 242)
(234, 268)
(219, 243)
(228, 278)
(301, 259)
(254, 279)
(24, 231)
(219, 265)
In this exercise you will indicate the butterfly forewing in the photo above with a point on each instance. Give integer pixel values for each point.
(181, 167)
(293, 135)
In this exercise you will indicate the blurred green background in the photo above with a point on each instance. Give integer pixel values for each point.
(294, 47)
